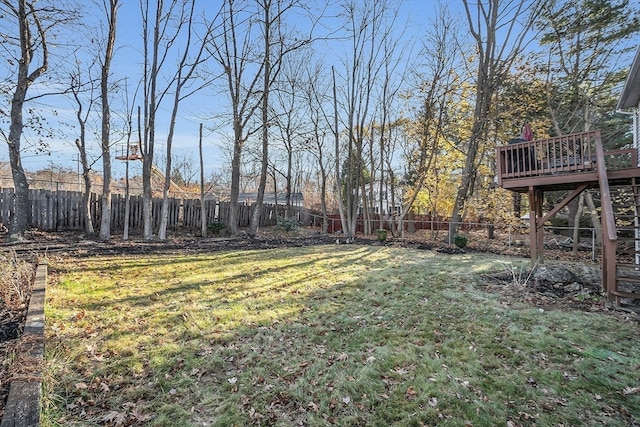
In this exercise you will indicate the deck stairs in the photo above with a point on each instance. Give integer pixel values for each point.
(625, 201)
(575, 163)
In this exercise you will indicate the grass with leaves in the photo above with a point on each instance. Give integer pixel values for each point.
(327, 335)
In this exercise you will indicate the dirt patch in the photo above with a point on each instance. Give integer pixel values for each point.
(578, 294)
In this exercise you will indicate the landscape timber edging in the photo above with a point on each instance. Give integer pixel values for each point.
(23, 404)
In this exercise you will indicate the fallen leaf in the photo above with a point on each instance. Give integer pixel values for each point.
(342, 357)
(254, 414)
(526, 416)
(140, 416)
(118, 418)
(81, 386)
(631, 390)
(411, 393)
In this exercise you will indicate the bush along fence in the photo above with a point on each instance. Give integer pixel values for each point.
(64, 210)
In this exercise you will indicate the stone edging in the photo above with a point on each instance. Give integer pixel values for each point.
(23, 403)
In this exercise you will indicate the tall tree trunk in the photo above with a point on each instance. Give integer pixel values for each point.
(19, 220)
(203, 206)
(86, 179)
(235, 179)
(264, 163)
(127, 199)
(105, 223)
(595, 219)
(151, 106)
(164, 213)
(494, 61)
(336, 136)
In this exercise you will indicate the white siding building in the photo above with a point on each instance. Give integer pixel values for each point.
(630, 98)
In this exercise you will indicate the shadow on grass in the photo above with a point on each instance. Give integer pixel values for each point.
(349, 336)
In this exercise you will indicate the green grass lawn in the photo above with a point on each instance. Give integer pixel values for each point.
(346, 335)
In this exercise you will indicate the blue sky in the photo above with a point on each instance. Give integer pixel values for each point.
(61, 150)
(127, 63)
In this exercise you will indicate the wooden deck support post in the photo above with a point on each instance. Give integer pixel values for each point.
(536, 233)
(573, 162)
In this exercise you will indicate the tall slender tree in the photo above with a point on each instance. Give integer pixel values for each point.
(184, 78)
(277, 46)
(84, 109)
(368, 28)
(34, 22)
(110, 9)
(232, 49)
(500, 30)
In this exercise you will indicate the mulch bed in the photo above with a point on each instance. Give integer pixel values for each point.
(12, 321)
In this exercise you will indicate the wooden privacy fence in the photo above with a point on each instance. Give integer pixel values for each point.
(64, 210)
(410, 224)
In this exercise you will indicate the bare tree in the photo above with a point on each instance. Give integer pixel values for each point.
(277, 46)
(183, 77)
(82, 116)
(232, 48)
(203, 207)
(110, 9)
(316, 142)
(158, 20)
(291, 114)
(500, 29)
(33, 21)
(367, 31)
(388, 114)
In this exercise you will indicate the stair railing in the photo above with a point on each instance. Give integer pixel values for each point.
(608, 226)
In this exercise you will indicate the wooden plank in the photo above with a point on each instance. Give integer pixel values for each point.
(6, 205)
(23, 404)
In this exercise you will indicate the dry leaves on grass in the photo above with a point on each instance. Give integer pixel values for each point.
(131, 415)
(631, 390)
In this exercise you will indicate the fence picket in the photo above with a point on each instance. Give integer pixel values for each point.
(64, 210)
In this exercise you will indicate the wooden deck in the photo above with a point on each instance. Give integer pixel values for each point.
(573, 163)
(562, 163)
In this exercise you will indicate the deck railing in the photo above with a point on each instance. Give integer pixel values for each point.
(559, 155)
